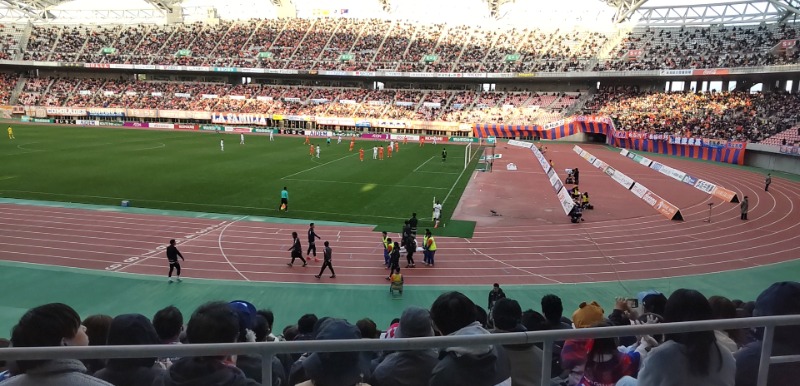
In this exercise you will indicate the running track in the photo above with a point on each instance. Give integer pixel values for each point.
(643, 247)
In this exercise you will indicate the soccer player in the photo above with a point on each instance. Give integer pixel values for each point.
(271, 134)
(352, 143)
(328, 141)
(389, 150)
(297, 250)
(444, 154)
(312, 246)
(221, 145)
(311, 150)
(374, 152)
(284, 199)
(308, 140)
(396, 147)
(437, 214)
(380, 153)
(405, 140)
(11, 133)
(241, 138)
(421, 141)
(172, 257)
(434, 140)
(361, 154)
(317, 151)
(339, 140)
(327, 254)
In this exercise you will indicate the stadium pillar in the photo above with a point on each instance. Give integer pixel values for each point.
(687, 86)
(726, 84)
(176, 16)
(795, 84)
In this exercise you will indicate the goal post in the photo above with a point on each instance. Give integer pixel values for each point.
(467, 155)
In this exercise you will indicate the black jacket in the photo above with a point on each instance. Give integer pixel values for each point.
(495, 296)
(203, 372)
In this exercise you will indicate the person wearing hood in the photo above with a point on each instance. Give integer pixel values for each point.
(525, 359)
(453, 314)
(408, 368)
(51, 325)
(250, 364)
(336, 368)
(131, 329)
(214, 322)
(781, 298)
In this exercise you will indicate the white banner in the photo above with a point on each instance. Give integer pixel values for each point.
(158, 125)
(566, 201)
(513, 142)
(639, 190)
(85, 122)
(65, 111)
(705, 186)
(618, 176)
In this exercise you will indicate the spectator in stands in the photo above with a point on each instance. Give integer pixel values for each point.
(653, 302)
(168, 323)
(525, 359)
(413, 367)
(250, 364)
(270, 317)
(692, 358)
(781, 298)
(97, 329)
(723, 308)
(336, 368)
(131, 329)
(51, 325)
(214, 322)
(368, 328)
(606, 364)
(574, 351)
(553, 311)
(487, 365)
(305, 327)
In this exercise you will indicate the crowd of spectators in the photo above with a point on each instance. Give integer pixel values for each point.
(316, 44)
(721, 357)
(10, 36)
(734, 116)
(406, 103)
(706, 47)
(7, 84)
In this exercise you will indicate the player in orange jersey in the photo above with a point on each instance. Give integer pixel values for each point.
(360, 153)
(396, 147)
(389, 150)
(308, 140)
(352, 144)
(405, 140)
(311, 150)
(421, 141)
(380, 153)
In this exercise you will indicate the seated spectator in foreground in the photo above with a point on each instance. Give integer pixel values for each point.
(454, 314)
(336, 368)
(168, 323)
(51, 325)
(408, 368)
(779, 299)
(605, 364)
(573, 354)
(525, 359)
(214, 322)
(250, 364)
(723, 308)
(97, 330)
(131, 329)
(691, 358)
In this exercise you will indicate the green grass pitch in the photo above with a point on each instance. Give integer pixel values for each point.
(188, 171)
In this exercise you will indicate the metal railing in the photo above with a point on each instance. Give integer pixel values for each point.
(268, 350)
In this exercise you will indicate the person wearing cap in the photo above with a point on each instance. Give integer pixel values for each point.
(494, 295)
(336, 368)
(525, 359)
(214, 322)
(131, 329)
(782, 298)
(573, 354)
(408, 368)
(453, 314)
(250, 364)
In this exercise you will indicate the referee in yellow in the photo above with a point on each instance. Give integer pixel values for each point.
(10, 133)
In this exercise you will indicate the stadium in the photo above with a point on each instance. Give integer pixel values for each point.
(616, 152)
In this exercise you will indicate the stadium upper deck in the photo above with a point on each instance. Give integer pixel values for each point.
(372, 44)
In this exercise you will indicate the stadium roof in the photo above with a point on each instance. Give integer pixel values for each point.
(703, 13)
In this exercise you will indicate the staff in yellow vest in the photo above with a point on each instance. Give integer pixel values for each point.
(429, 248)
(387, 248)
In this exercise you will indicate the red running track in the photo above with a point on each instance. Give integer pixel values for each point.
(623, 240)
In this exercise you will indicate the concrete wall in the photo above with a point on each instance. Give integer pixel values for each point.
(768, 157)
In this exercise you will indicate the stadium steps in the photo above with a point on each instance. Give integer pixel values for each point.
(23, 41)
(17, 90)
(614, 43)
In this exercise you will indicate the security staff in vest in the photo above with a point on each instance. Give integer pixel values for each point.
(429, 248)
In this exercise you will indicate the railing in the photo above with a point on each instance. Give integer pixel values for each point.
(268, 350)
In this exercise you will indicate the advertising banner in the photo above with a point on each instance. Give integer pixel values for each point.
(160, 125)
(142, 113)
(638, 189)
(566, 201)
(376, 136)
(790, 150)
(618, 176)
(106, 111)
(663, 206)
(86, 122)
(240, 119)
(183, 126)
(463, 139)
(400, 137)
(136, 124)
(66, 111)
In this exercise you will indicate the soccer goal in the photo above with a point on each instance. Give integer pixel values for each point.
(470, 151)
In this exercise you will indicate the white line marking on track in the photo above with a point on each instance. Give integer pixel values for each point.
(221, 250)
